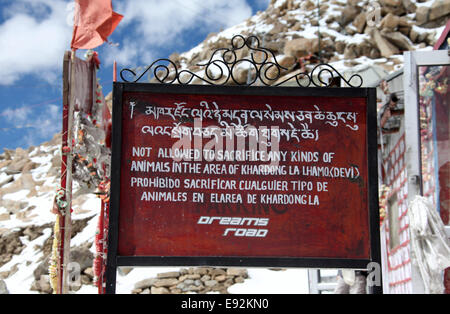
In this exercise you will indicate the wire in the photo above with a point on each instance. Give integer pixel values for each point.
(35, 105)
(46, 102)
(26, 126)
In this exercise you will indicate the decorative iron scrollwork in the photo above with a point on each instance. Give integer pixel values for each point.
(224, 65)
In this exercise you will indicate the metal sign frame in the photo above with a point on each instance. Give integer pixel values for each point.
(114, 260)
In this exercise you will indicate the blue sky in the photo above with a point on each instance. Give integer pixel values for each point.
(35, 33)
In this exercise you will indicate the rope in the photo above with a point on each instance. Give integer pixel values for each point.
(60, 201)
(54, 258)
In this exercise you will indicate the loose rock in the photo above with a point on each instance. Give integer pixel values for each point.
(237, 272)
(386, 48)
(399, 40)
(144, 283)
(159, 290)
(348, 14)
(167, 282)
(3, 288)
(168, 274)
(301, 47)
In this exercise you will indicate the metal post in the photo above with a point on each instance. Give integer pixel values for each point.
(67, 232)
(66, 173)
(318, 26)
(374, 213)
(63, 181)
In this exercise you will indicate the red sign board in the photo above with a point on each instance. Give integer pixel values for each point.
(260, 173)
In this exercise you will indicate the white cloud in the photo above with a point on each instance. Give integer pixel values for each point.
(156, 24)
(37, 124)
(33, 37)
(127, 53)
(48, 121)
(18, 116)
(161, 21)
(35, 33)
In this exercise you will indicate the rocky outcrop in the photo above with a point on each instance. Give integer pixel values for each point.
(431, 16)
(3, 288)
(10, 245)
(386, 32)
(386, 48)
(349, 13)
(301, 47)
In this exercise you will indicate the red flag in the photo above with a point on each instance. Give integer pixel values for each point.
(95, 20)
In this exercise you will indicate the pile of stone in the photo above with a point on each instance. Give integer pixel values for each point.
(10, 244)
(392, 26)
(192, 280)
(372, 29)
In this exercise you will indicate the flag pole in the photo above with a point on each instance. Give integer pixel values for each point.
(115, 71)
(66, 219)
(64, 153)
(96, 15)
(68, 216)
